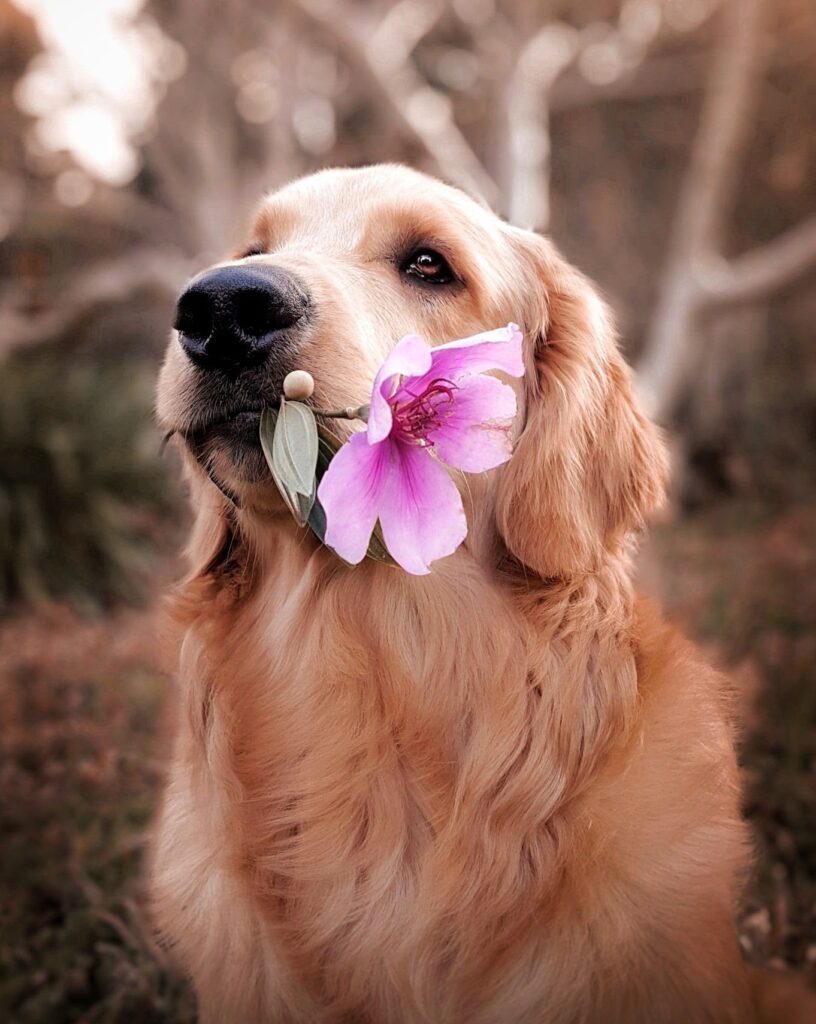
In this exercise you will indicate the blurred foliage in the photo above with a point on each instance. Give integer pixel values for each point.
(77, 788)
(743, 579)
(81, 490)
(749, 429)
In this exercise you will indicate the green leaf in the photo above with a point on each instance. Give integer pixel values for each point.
(289, 443)
(294, 447)
(269, 418)
(327, 447)
(377, 549)
(307, 509)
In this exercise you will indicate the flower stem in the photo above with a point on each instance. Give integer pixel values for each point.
(349, 413)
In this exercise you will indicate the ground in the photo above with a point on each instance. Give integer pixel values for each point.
(82, 707)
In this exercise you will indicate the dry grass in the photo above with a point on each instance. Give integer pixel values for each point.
(83, 737)
(81, 747)
(743, 583)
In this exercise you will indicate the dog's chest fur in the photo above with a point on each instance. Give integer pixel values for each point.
(396, 800)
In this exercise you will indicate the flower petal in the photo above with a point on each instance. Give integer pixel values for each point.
(409, 357)
(421, 510)
(494, 350)
(475, 433)
(350, 494)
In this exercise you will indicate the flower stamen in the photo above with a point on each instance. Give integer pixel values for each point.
(418, 416)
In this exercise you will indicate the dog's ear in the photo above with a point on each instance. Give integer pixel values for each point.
(588, 467)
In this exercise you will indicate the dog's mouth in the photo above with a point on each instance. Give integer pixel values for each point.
(227, 447)
(238, 422)
(224, 439)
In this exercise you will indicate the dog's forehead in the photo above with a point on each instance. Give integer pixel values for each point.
(345, 201)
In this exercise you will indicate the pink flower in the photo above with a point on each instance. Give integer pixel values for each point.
(428, 407)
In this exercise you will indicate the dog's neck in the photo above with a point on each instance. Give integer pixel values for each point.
(480, 653)
(354, 731)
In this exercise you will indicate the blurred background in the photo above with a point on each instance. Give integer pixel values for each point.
(669, 148)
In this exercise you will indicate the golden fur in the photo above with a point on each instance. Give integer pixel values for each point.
(505, 792)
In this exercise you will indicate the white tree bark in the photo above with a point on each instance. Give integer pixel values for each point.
(674, 340)
(764, 270)
(538, 67)
(205, 183)
(421, 114)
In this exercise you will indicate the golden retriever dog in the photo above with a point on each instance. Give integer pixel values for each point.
(502, 792)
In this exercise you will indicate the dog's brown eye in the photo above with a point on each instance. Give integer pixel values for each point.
(428, 265)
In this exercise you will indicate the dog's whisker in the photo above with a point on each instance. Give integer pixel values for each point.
(166, 440)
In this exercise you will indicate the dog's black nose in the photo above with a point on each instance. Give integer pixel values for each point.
(231, 317)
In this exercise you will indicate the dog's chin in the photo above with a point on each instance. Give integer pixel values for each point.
(229, 452)
(232, 449)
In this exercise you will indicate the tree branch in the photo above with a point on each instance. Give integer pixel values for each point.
(421, 114)
(403, 28)
(762, 271)
(664, 75)
(672, 348)
(539, 87)
(100, 285)
(527, 113)
(658, 76)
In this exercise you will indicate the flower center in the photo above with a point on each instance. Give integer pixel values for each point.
(416, 416)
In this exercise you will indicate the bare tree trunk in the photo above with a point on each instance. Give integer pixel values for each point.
(420, 113)
(675, 340)
(208, 167)
(528, 123)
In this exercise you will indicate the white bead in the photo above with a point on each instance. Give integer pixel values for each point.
(298, 384)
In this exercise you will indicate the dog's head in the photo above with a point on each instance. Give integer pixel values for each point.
(340, 265)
